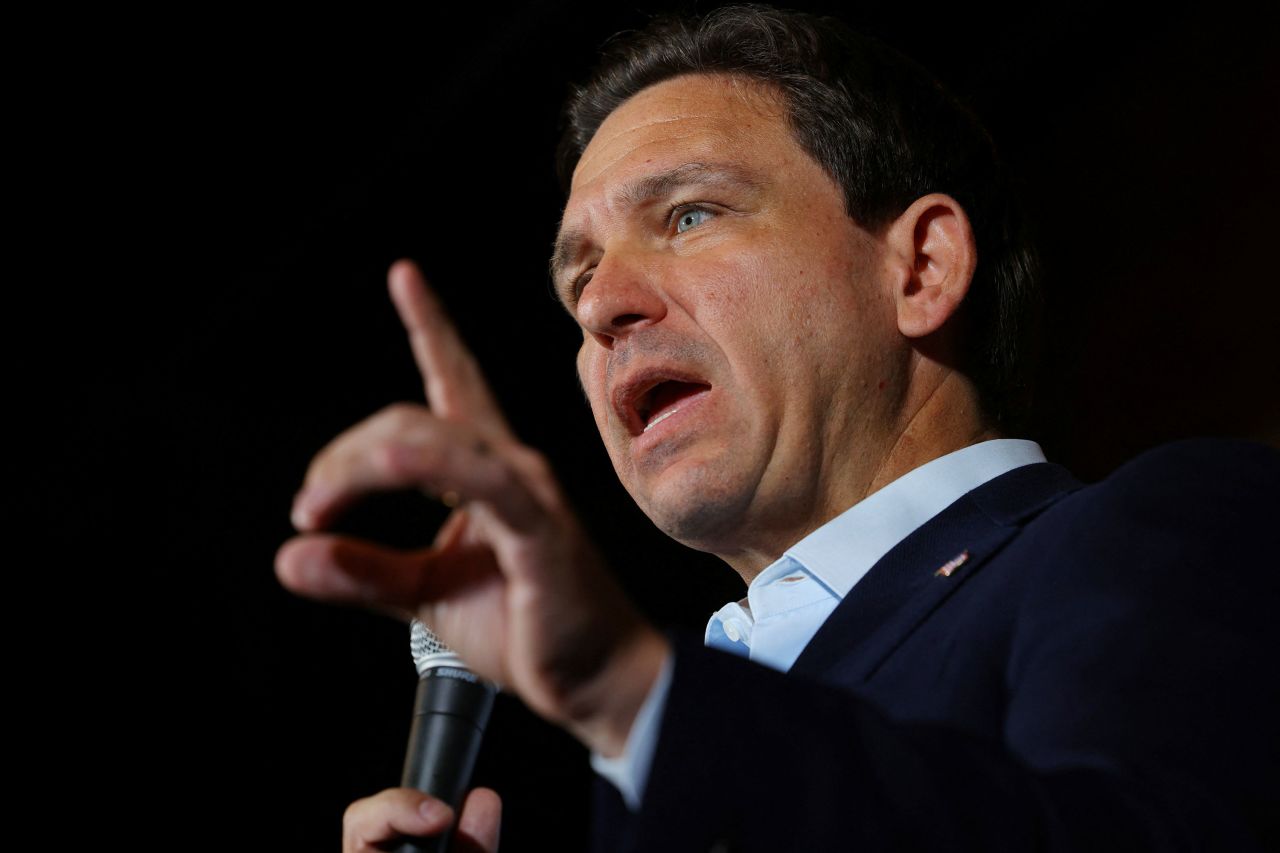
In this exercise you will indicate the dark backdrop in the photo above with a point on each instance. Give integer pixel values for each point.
(250, 181)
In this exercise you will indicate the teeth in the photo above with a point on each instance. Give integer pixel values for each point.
(660, 418)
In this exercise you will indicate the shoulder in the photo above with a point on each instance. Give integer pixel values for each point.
(1143, 610)
(1193, 521)
(1182, 487)
(1222, 467)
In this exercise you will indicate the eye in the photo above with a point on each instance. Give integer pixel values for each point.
(691, 218)
(579, 283)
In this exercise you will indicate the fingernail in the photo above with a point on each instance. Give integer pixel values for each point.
(433, 811)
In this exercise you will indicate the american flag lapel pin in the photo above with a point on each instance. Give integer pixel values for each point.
(951, 565)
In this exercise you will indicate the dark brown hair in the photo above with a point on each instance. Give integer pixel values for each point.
(882, 128)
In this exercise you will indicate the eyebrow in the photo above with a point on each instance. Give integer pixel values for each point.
(569, 243)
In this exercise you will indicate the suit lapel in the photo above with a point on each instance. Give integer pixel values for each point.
(904, 587)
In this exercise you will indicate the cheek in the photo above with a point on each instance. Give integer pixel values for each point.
(733, 290)
(793, 300)
(831, 293)
(591, 380)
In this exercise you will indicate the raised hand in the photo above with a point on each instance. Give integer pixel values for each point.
(512, 582)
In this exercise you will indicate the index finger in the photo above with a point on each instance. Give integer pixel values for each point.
(456, 389)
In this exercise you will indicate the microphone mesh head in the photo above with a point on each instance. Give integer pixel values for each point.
(427, 650)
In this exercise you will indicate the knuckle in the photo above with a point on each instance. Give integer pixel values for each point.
(352, 820)
(370, 815)
(402, 414)
(405, 463)
(390, 460)
(356, 809)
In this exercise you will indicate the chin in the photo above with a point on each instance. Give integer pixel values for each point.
(701, 509)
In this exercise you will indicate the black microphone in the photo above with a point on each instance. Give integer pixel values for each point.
(449, 716)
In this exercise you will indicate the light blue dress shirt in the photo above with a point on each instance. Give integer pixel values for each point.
(788, 601)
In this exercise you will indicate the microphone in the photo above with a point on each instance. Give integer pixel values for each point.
(449, 716)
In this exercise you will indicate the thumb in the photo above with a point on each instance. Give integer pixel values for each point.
(479, 825)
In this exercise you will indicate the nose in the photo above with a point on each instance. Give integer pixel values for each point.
(621, 297)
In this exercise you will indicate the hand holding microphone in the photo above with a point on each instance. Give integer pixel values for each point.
(449, 716)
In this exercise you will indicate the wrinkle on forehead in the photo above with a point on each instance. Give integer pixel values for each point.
(629, 151)
(669, 99)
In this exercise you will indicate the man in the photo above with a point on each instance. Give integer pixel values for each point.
(801, 290)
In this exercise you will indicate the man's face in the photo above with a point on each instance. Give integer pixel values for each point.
(737, 338)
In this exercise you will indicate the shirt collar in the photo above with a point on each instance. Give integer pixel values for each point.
(844, 549)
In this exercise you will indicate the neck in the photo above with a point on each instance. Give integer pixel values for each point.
(947, 419)
(939, 415)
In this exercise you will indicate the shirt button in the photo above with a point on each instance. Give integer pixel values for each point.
(731, 631)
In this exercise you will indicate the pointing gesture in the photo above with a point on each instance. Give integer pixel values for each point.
(512, 582)
(455, 388)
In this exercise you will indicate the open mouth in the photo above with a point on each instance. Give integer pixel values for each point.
(664, 400)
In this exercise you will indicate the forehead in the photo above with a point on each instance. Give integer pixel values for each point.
(713, 127)
(690, 118)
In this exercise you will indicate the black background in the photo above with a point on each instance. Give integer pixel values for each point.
(241, 186)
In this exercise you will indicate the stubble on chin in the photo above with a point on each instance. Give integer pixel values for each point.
(701, 509)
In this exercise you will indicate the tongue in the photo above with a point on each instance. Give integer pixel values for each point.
(669, 394)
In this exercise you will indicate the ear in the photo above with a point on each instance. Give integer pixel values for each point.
(933, 254)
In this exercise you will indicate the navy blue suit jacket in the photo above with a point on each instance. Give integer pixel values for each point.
(1098, 673)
